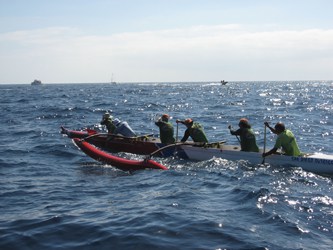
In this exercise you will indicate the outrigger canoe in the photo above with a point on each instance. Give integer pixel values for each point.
(317, 163)
(118, 162)
(141, 145)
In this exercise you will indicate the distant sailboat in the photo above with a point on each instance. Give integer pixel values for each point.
(112, 81)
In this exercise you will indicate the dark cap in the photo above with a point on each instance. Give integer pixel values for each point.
(165, 117)
(280, 127)
(188, 121)
(244, 121)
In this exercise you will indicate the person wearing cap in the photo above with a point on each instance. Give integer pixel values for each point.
(285, 140)
(166, 129)
(107, 121)
(194, 130)
(247, 138)
(122, 128)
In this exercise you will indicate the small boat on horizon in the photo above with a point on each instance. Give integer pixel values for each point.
(36, 82)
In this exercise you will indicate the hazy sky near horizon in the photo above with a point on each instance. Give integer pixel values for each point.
(82, 41)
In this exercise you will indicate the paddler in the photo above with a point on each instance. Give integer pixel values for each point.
(247, 137)
(108, 122)
(166, 129)
(194, 130)
(285, 140)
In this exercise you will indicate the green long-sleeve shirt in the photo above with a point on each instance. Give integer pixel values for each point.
(247, 139)
(196, 132)
(166, 132)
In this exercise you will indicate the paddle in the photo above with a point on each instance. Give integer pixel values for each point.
(263, 159)
(235, 135)
(238, 138)
(177, 133)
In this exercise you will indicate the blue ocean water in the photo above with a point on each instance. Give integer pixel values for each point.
(55, 197)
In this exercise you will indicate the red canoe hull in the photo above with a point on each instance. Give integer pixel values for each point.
(118, 162)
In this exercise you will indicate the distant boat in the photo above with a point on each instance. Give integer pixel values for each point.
(223, 82)
(112, 81)
(36, 82)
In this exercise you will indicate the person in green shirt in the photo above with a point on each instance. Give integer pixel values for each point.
(246, 134)
(285, 140)
(194, 130)
(166, 129)
(108, 122)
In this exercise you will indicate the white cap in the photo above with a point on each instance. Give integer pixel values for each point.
(116, 122)
(106, 115)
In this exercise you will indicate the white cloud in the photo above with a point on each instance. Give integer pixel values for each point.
(193, 54)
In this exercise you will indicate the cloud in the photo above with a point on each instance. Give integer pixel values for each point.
(196, 53)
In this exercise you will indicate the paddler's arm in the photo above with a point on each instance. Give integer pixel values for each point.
(180, 121)
(187, 131)
(186, 136)
(234, 132)
(270, 128)
(159, 122)
(270, 152)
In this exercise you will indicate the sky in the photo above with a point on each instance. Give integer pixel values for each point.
(84, 41)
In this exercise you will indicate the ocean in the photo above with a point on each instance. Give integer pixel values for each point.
(53, 196)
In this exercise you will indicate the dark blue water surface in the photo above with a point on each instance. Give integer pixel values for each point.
(55, 197)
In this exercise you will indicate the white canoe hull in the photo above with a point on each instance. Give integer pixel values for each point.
(318, 163)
